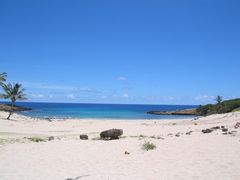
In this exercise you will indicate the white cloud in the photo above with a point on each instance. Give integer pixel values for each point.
(37, 95)
(104, 97)
(125, 95)
(71, 96)
(87, 89)
(171, 98)
(45, 86)
(121, 78)
(204, 97)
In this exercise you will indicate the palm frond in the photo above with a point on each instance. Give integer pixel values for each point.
(13, 92)
(3, 77)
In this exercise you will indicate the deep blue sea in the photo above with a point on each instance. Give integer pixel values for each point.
(99, 111)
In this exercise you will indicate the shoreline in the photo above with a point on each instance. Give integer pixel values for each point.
(182, 151)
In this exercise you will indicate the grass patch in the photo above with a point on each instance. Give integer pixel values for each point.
(2, 141)
(148, 146)
(236, 110)
(37, 139)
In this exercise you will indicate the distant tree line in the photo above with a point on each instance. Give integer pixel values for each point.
(12, 91)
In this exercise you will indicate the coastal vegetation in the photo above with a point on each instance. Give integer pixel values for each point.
(219, 108)
(12, 91)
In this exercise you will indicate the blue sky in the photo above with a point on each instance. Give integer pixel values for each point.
(122, 51)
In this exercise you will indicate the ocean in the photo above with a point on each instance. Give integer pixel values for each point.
(100, 111)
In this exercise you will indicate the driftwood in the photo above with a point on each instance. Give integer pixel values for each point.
(111, 134)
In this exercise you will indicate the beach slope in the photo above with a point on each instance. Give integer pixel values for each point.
(182, 151)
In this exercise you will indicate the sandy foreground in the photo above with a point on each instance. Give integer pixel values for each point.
(196, 156)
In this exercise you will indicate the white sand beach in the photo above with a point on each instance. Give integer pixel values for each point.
(196, 156)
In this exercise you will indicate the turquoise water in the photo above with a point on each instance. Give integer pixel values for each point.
(99, 111)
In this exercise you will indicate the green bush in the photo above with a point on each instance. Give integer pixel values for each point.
(148, 146)
(223, 107)
(37, 139)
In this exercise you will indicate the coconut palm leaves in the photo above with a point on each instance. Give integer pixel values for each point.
(3, 77)
(13, 92)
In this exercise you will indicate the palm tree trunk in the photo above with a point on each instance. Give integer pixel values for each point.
(10, 112)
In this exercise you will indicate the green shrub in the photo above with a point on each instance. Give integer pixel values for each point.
(223, 107)
(37, 139)
(148, 146)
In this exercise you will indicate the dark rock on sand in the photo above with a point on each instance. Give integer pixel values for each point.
(111, 134)
(84, 137)
(207, 131)
(126, 153)
(237, 125)
(224, 130)
(177, 135)
(51, 138)
(189, 133)
(215, 128)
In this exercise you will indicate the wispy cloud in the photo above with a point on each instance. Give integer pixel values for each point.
(87, 89)
(71, 96)
(125, 95)
(204, 97)
(37, 95)
(121, 78)
(104, 97)
(36, 85)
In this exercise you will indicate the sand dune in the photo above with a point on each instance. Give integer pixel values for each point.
(196, 156)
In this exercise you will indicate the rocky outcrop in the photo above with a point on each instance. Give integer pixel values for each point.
(111, 134)
(7, 107)
(178, 112)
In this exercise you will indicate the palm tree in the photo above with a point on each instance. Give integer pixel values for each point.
(2, 78)
(219, 106)
(13, 92)
(219, 99)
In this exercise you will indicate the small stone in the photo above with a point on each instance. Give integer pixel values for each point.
(215, 128)
(51, 138)
(84, 137)
(177, 135)
(222, 127)
(189, 133)
(206, 131)
(237, 125)
(225, 133)
(224, 130)
(159, 137)
(126, 153)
